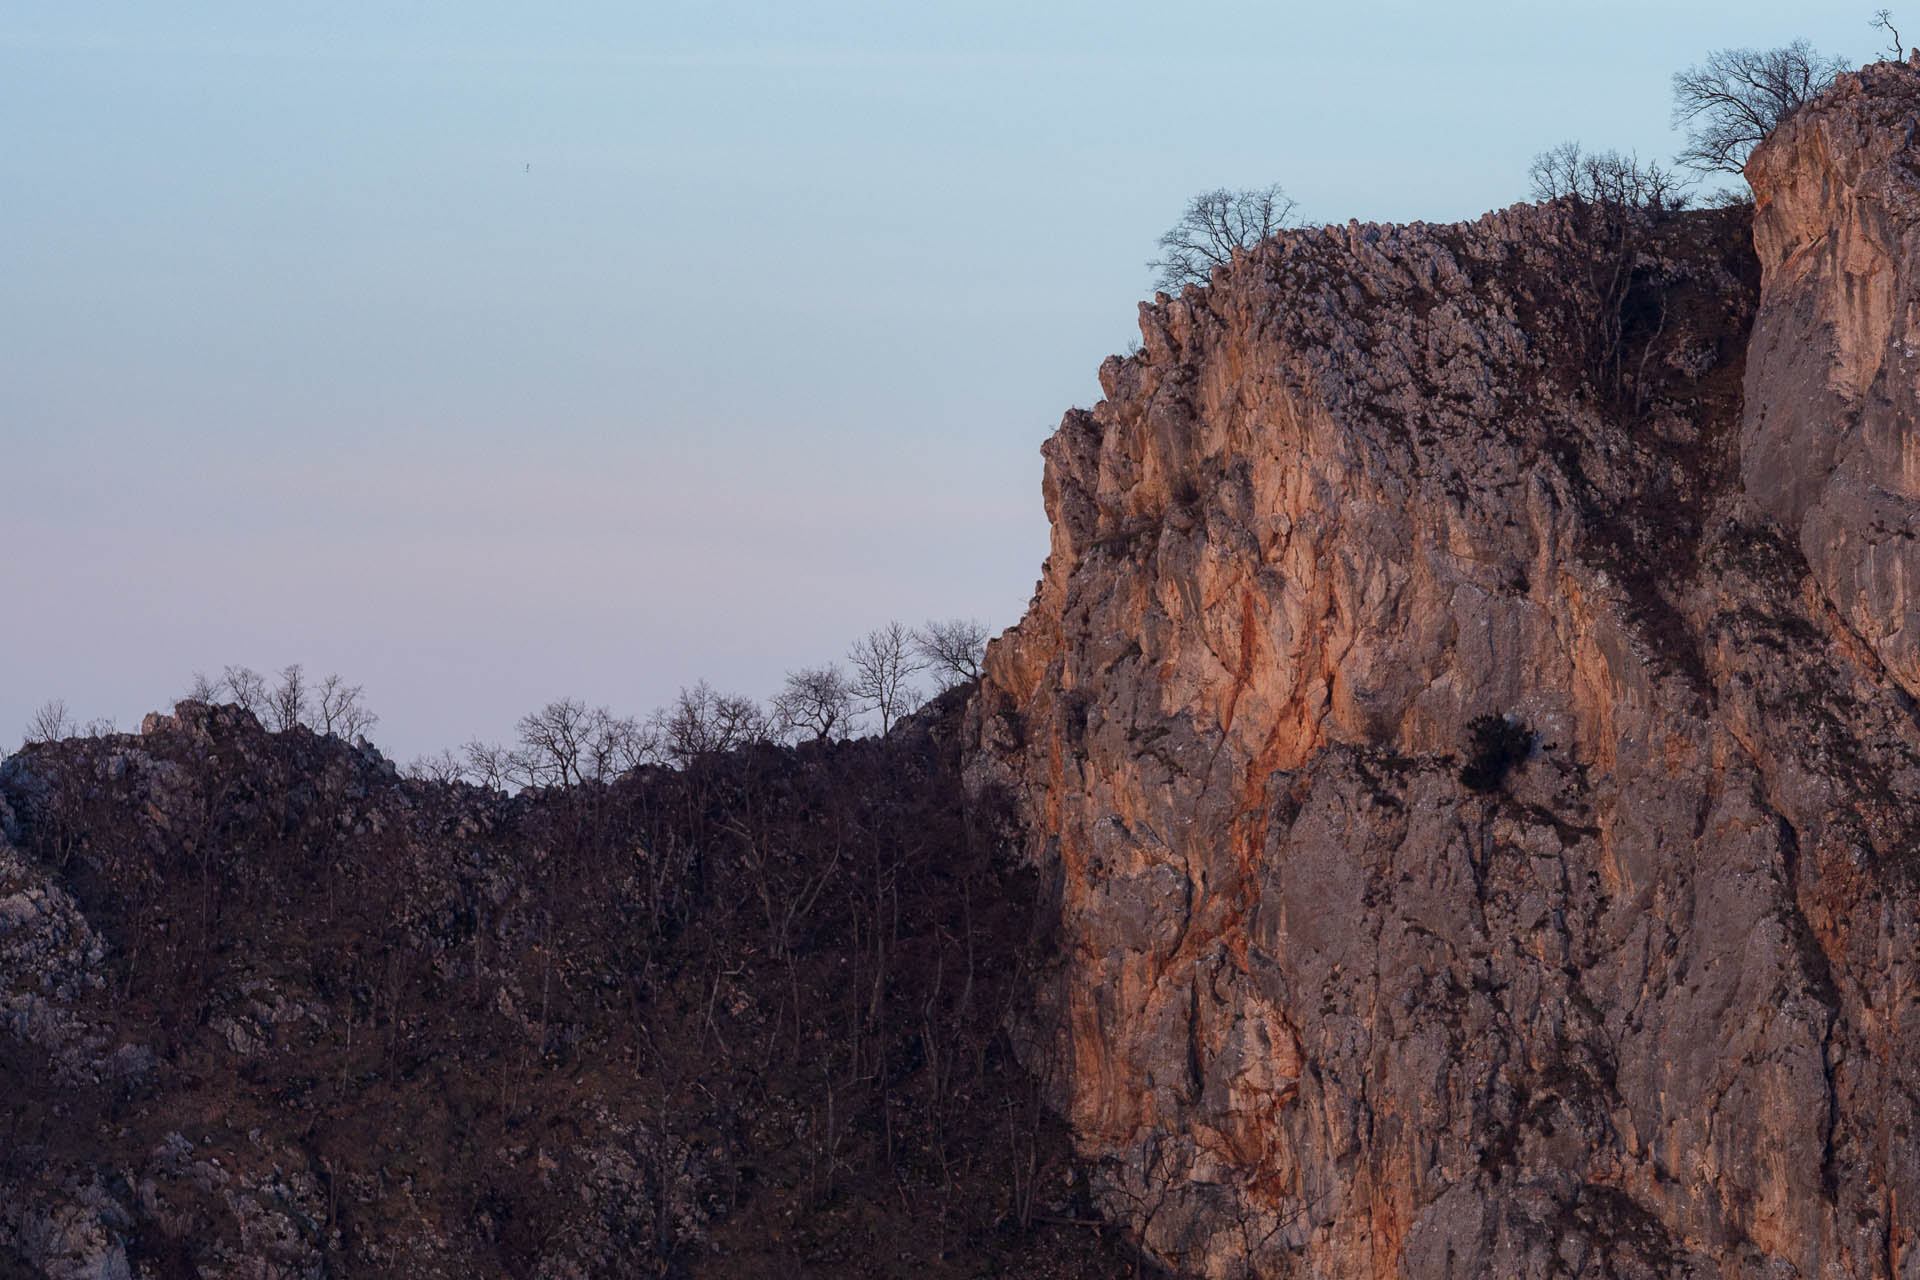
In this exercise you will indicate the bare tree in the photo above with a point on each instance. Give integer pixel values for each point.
(954, 649)
(1214, 224)
(1605, 177)
(565, 744)
(341, 710)
(1896, 48)
(490, 765)
(287, 705)
(702, 722)
(816, 701)
(247, 688)
(885, 661)
(1738, 96)
(443, 767)
(201, 689)
(617, 744)
(51, 723)
(553, 739)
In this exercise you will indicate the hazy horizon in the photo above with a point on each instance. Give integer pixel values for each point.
(488, 357)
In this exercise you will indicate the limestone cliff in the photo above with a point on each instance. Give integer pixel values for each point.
(1339, 990)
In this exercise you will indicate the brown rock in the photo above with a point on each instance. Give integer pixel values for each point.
(1635, 1009)
(1829, 444)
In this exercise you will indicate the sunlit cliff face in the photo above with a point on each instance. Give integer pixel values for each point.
(1324, 1008)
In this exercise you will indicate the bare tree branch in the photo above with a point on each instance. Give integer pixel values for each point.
(817, 701)
(1605, 177)
(954, 648)
(51, 723)
(288, 704)
(341, 710)
(442, 767)
(885, 661)
(1214, 225)
(1896, 48)
(490, 765)
(247, 688)
(1738, 96)
(702, 722)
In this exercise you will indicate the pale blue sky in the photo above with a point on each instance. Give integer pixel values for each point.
(300, 361)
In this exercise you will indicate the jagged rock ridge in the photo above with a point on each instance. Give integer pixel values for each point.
(1641, 1004)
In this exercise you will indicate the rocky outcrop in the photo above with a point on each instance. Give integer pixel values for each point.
(268, 1008)
(1830, 449)
(1465, 715)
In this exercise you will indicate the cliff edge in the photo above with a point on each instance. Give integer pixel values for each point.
(1467, 719)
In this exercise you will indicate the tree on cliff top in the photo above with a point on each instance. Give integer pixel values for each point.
(953, 648)
(1737, 97)
(884, 664)
(816, 702)
(1214, 225)
(1604, 177)
(1883, 21)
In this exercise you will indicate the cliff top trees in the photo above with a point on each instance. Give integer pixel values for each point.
(330, 707)
(51, 723)
(953, 648)
(817, 702)
(1604, 177)
(1214, 225)
(885, 661)
(1737, 96)
(1883, 21)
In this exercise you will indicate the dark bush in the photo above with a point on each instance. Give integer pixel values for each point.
(1495, 745)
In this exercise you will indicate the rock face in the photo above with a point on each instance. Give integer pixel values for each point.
(1467, 717)
(1830, 448)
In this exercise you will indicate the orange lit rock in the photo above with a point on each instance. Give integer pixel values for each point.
(1645, 1008)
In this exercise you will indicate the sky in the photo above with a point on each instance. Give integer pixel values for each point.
(494, 353)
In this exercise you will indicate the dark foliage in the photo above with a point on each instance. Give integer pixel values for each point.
(1495, 746)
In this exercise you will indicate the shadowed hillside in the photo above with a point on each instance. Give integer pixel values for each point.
(276, 1010)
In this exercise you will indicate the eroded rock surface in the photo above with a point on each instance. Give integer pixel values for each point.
(1643, 1003)
(1830, 448)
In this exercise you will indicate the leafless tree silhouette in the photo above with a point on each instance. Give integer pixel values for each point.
(817, 701)
(247, 688)
(340, 709)
(1896, 48)
(1214, 224)
(51, 723)
(1738, 96)
(567, 744)
(1605, 177)
(885, 661)
(287, 706)
(953, 649)
(703, 722)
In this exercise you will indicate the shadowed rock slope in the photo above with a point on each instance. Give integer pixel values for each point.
(1467, 721)
(268, 1009)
